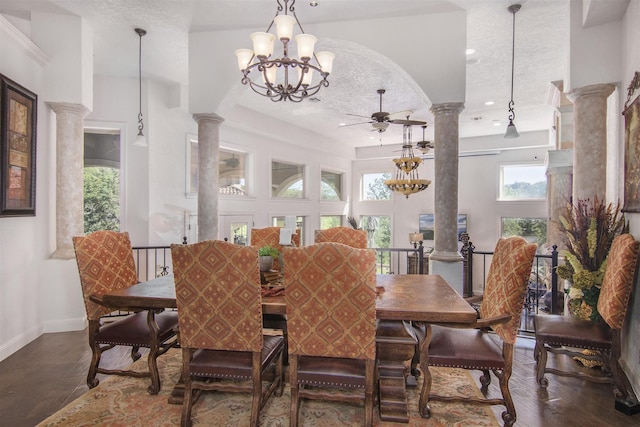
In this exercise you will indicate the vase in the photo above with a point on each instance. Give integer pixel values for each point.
(266, 262)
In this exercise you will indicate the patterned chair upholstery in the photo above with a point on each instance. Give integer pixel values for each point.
(270, 236)
(346, 235)
(105, 263)
(500, 310)
(330, 296)
(554, 333)
(220, 319)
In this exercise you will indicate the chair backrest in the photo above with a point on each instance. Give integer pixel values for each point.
(345, 235)
(105, 263)
(218, 296)
(507, 283)
(330, 296)
(270, 236)
(619, 278)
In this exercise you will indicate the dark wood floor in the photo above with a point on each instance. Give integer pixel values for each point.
(50, 372)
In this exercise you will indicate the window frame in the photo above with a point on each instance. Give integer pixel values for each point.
(501, 175)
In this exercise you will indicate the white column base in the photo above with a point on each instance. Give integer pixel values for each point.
(451, 271)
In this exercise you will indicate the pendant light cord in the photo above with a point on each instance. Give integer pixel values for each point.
(140, 33)
(513, 9)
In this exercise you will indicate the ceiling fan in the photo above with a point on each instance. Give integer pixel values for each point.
(380, 120)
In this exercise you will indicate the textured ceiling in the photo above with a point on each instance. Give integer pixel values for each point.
(541, 39)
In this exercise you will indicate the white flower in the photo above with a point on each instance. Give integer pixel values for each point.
(575, 293)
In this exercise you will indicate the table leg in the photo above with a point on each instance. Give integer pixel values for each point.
(423, 405)
(177, 394)
(395, 347)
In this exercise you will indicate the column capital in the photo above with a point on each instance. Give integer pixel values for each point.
(68, 108)
(600, 90)
(208, 117)
(447, 108)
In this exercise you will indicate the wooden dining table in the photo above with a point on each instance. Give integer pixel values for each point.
(403, 302)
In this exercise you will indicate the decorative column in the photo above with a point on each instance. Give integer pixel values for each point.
(208, 174)
(69, 175)
(590, 140)
(559, 184)
(445, 259)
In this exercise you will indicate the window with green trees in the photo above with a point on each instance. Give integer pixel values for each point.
(101, 199)
(523, 182)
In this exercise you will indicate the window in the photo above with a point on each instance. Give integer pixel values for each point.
(373, 187)
(378, 230)
(279, 221)
(330, 221)
(101, 180)
(523, 182)
(532, 229)
(330, 185)
(287, 180)
(231, 170)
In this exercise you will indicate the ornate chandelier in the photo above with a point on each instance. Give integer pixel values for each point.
(406, 180)
(284, 78)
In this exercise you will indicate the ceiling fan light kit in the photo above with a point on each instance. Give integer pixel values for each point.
(285, 78)
(512, 132)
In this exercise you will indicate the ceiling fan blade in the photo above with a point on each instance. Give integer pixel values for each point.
(352, 124)
(408, 122)
(358, 115)
(400, 115)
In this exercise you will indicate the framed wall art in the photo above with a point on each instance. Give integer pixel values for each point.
(631, 115)
(18, 114)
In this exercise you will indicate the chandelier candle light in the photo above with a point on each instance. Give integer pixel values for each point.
(406, 180)
(284, 78)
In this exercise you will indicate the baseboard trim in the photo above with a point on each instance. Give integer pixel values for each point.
(16, 343)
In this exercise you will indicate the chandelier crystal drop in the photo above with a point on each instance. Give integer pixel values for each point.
(406, 180)
(284, 78)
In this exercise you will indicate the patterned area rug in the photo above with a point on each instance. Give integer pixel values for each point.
(124, 401)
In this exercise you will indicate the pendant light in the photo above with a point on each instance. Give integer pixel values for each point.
(140, 141)
(512, 132)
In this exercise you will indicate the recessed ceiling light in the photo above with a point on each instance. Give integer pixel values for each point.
(313, 3)
(497, 123)
(342, 124)
(470, 51)
(489, 103)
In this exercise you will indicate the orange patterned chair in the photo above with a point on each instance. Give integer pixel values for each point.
(554, 333)
(346, 235)
(220, 319)
(500, 310)
(105, 263)
(331, 309)
(270, 236)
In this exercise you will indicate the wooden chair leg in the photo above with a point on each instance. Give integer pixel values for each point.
(185, 420)
(541, 363)
(295, 396)
(92, 381)
(509, 416)
(154, 373)
(135, 353)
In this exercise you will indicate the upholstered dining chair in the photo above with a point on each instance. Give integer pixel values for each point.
(346, 235)
(270, 236)
(330, 297)
(568, 336)
(220, 318)
(105, 263)
(500, 309)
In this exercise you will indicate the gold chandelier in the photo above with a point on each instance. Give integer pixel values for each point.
(406, 180)
(284, 78)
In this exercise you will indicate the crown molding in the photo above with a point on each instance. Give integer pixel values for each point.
(23, 42)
